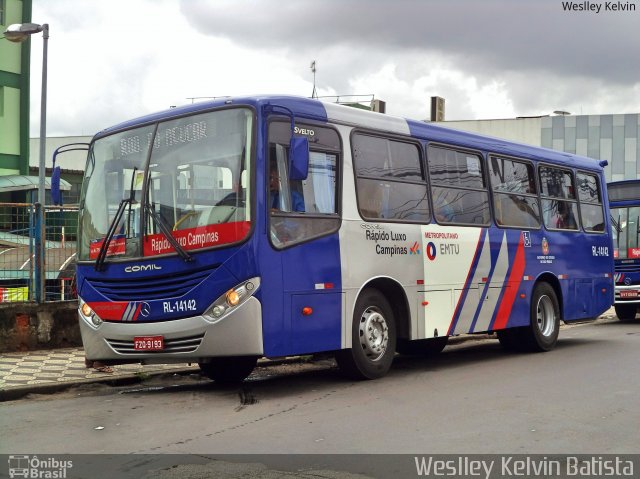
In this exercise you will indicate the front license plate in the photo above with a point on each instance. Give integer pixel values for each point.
(148, 343)
(630, 293)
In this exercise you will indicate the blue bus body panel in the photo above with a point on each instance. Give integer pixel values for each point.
(167, 287)
(304, 275)
(307, 275)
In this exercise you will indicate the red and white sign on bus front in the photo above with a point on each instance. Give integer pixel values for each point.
(633, 253)
(196, 238)
(117, 246)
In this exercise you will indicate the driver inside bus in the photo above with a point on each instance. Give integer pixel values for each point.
(297, 202)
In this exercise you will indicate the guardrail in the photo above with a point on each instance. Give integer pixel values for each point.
(20, 271)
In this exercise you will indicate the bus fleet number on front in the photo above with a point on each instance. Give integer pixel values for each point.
(179, 306)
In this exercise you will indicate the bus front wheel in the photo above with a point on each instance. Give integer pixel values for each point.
(542, 332)
(373, 342)
(626, 312)
(231, 369)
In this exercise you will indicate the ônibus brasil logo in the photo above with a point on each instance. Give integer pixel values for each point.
(32, 466)
(431, 251)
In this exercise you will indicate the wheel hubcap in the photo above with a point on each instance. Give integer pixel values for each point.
(374, 333)
(545, 317)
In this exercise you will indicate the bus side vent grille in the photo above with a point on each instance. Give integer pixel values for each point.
(157, 287)
(172, 346)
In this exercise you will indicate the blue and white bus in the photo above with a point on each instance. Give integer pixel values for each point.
(624, 201)
(271, 226)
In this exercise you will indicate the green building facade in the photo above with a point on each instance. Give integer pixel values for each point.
(14, 93)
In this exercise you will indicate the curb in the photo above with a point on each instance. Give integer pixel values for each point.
(18, 392)
(124, 379)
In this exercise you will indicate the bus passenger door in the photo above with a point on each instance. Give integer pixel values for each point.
(304, 224)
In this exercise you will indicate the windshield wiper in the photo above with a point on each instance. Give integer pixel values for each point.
(102, 254)
(157, 219)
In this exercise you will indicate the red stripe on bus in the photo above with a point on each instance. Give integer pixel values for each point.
(109, 311)
(513, 283)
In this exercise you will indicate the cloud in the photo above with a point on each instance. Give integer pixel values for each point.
(487, 35)
(110, 61)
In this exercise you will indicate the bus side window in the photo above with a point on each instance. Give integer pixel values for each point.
(459, 192)
(390, 182)
(301, 210)
(514, 193)
(319, 189)
(559, 203)
(591, 210)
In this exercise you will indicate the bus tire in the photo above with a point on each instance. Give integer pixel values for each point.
(542, 332)
(229, 369)
(626, 312)
(422, 347)
(373, 342)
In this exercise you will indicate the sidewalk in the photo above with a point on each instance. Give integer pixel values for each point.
(54, 370)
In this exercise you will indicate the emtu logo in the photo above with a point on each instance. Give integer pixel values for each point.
(431, 251)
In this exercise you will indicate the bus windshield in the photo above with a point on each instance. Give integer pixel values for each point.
(187, 178)
(625, 226)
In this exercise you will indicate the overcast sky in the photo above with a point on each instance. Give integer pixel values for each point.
(118, 59)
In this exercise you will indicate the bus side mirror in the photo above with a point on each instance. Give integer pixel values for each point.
(298, 158)
(56, 194)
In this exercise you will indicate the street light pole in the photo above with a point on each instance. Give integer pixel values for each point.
(42, 166)
(19, 33)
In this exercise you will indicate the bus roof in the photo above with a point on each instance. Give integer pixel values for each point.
(313, 109)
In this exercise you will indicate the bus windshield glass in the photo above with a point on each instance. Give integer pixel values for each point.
(625, 227)
(187, 178)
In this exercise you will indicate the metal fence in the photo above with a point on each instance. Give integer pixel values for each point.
(20, 271)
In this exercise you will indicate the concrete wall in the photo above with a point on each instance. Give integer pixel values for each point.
(74, 160)
(27, 327)
(521, 130)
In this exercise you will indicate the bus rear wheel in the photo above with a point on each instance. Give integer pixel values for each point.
(229, 369)
(542, 332)
(626, 312)
(373, 342)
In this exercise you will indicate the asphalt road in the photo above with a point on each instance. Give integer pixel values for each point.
(581, 397)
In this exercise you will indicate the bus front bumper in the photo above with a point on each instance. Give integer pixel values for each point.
(185, 340)
(627, 294)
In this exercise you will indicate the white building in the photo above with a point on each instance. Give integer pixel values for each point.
(608, 137)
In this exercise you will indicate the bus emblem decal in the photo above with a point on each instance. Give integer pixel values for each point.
(142, 267)
(545, 246)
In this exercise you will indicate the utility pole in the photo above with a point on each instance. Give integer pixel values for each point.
(314, 93)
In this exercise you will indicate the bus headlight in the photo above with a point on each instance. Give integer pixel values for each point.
(88, 313)
(232, 299)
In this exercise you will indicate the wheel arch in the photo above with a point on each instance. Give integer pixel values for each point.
(554, 282)
(397, 298)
